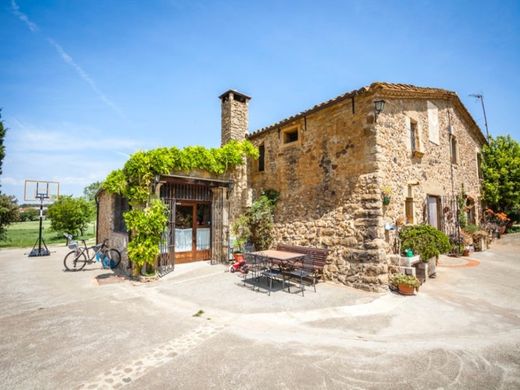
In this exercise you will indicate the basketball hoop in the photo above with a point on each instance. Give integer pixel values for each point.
(43, 191)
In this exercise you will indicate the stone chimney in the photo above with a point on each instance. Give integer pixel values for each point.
(234, 114)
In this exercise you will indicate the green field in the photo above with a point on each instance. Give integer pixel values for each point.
(25, 234)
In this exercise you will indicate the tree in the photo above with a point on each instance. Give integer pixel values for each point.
(501, 174)
(8, 206)
(70, 215)
(89, 192)
(29, 214)
(8, 212)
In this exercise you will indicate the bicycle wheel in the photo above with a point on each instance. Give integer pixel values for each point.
(74, 261)
(115, 258)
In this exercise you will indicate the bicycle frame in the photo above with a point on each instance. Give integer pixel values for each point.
(87, 249)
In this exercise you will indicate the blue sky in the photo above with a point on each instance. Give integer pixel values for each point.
(85, 83)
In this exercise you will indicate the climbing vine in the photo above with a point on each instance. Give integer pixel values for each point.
(135, 181)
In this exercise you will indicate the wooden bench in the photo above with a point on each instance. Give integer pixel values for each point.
(312, 266)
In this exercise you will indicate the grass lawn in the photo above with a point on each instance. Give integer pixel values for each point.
(25, 234)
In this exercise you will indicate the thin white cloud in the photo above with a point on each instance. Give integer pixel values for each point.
(67, 138)
(69, 61)
(23, 17)
(11, 181)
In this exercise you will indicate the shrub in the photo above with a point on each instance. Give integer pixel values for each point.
(146, 226)
(471, 228)
(256, 225)
(70, 215)
(8, 212)
(241, 230)
(424, 240)
(29, 215)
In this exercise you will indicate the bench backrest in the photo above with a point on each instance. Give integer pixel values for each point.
(318, 255)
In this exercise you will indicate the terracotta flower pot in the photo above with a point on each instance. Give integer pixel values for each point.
(405, 289)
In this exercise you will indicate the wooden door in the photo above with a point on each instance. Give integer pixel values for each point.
(192, 231)
(434, 209)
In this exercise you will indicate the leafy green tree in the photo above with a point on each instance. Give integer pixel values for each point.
(89, 192)
(8, 206)
(70, 215)
(8, 212)
(501, 171)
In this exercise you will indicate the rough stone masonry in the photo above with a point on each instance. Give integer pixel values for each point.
(331, 174)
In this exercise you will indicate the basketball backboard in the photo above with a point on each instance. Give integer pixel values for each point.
(41, 190)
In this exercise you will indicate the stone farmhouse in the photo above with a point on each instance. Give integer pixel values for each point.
(346, 169)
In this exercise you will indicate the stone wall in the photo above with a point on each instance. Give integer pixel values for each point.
(329, 190)
(433, 173)
(105, 222)
(105, 228)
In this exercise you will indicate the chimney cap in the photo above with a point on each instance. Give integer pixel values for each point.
(236, 94)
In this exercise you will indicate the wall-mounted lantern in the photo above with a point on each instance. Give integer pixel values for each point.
(379, 106)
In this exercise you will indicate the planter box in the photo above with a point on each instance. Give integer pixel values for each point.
(426, 270)
(481, 244)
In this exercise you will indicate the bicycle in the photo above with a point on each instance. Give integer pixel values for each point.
(76, 259)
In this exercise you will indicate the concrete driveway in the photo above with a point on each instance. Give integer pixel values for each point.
(64, 330)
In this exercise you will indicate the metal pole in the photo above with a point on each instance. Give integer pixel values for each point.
(41, 227)
(485, 118)
(481, 98)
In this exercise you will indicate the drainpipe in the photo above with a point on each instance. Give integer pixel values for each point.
(450, 135)
(97, 217)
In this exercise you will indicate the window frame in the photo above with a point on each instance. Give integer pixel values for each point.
(454, 150)
(261, 158)
(288, 130)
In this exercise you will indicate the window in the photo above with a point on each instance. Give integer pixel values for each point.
(414, 138)
(453, 149)
(120, 206)
(479, 165)
(290, 135)
(261, 158)
(409, 210)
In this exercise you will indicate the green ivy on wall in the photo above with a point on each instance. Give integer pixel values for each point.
(135, 181)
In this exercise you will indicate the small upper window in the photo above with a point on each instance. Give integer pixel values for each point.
(261, 158)
(414, 136)
(479, 166)
(453, 149)
(290, 135)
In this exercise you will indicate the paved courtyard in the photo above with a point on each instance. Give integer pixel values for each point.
(67, 330)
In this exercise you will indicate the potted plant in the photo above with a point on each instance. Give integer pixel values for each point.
(242, 233)
(387, 192)
(480, 240)
(426, 241)
(406, 284)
